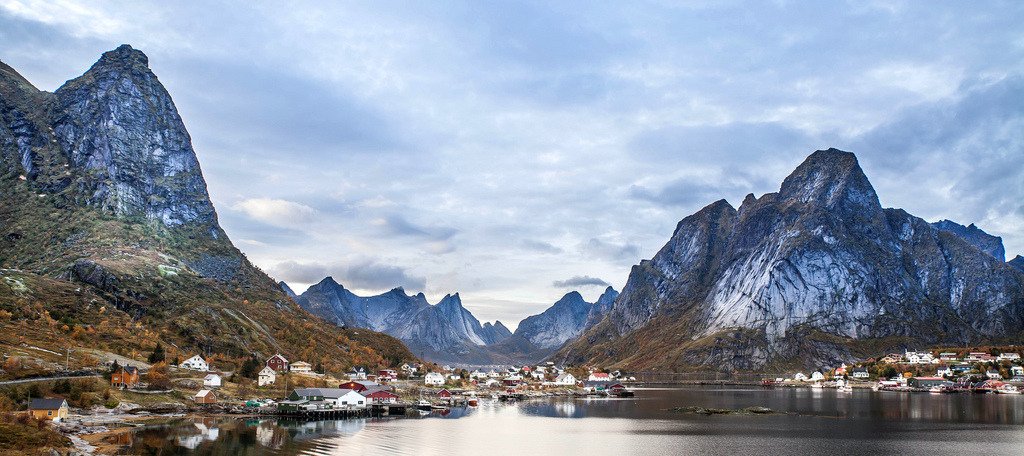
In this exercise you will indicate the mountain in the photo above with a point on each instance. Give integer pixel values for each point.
(109, 234)
(1017, 262)
(446, 332)
(287, 290)
(992, 245)
(815, 274)
(564, 320)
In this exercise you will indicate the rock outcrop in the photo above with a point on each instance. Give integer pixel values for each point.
(992, 245)
(565, 320)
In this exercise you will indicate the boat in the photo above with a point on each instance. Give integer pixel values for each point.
(473, 402)
(936, 389)
(424, 404)
(845, 389)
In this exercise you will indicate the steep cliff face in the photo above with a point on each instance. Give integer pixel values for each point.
(495, 333)
(992, 245)
(564, 320)
(103, 194)
(803, 276)
(1017, 262)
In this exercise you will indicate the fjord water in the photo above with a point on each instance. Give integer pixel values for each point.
(812, 421)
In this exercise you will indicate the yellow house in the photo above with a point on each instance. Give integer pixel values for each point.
(51, 408)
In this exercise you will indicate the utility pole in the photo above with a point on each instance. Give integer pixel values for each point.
(67, 360)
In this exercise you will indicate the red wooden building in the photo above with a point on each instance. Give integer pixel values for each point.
(278, 363)
(444, 394)
(382, 397)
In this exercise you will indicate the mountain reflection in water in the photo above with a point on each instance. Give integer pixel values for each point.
(810, 420)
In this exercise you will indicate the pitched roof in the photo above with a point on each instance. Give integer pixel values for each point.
(332, 393)
(267, 371)
(203, 393)
(50, 403)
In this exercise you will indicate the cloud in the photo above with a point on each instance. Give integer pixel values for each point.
(362, 274)
(276, 212)
(540, 246)
(397, 225)
(625, 252)
(580, 281)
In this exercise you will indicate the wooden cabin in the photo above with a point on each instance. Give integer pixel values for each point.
(51, 408)
(125, 377)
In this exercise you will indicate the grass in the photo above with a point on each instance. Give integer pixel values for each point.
(22, 435)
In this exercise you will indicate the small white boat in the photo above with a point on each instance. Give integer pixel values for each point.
(1007, 389)
(935, 389)
(423, 404)
(845, 389)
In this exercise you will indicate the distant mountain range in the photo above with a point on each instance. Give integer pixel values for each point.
(447, 332)
(813, 275)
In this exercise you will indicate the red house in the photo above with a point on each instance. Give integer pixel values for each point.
(382, 397)
(278, 363)
(444, 394)
(387, 375)
(361, 385)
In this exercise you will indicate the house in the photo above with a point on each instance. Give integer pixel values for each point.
(278, 363)
(979, 357)
(478, 374)
(454, 377)
(860, 373)
(928, 382)
(799, 377)
(125, 377)
(817, 376)
(196, 363)
(537, 375)
(212, 381)
(565, 379)
(947, 356)
(362, 386)
(599, 377)
(492, 383)
(51, 408)
(512, 380)
(1009, 356)
(347, 399)
(387, 375)
(433, 378)
(595, 386)
(944, 371)
(357, 373)
(891, 358)
(994, 374)
(840, 371)
(267, 376)
(205, 397)
(407, 368)
(326, 398)
(1016, 371)
(302, 367)
(493, 374)
(918, 357)
(382, 397)
(444, 394)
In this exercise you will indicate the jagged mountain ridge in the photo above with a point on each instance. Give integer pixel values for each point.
(992, 245)
(812, 275)
(103, 195)
(444, 332)
(565, 320)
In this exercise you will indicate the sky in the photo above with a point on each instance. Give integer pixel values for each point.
(515, 151)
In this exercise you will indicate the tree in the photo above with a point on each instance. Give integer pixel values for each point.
(157, 355)
(157, 377)
(114, 367)
(250, 367)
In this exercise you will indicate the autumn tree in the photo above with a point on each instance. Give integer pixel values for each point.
(157, 377)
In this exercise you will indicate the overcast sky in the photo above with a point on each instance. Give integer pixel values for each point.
(516, 151)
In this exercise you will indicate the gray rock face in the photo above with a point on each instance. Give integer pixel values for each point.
(565, 320)
(821, 255)
(287, 290)
(1017, 262)
(495, 333)
(117, 124)
(992, 245)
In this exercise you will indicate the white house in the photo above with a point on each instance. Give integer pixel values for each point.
(537, 375)
(358, 373)
(196, 363)
(212, 381)
(800, 377)
(994, 374)
(433, 378)
(1009, 356)
(478, 374)
(944, 371)
(351, 399)
(492, 382)
(817, 376)
(860, 373)
(565, 379)
(599, 377)
(267, 376)
(493, 374)
(454, 377)
(1017, 371)
(302, 367)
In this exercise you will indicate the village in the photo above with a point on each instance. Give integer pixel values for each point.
(934, 371)
(287, 388)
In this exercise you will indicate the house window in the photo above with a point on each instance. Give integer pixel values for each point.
(49, 413)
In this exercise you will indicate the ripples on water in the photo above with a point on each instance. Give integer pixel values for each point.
(815, 421)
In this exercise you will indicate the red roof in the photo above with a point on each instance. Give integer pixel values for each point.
(381, 393)
(600, 374)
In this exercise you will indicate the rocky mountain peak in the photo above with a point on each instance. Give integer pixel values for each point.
(992, 245)
(124, 56)
(1017, 262)
(830, 178)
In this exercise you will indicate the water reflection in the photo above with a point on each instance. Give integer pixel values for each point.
(813, 421)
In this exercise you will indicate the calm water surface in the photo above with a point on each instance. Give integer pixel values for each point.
(816, 421)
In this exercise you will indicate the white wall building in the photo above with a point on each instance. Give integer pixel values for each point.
(196, 363)
(267, 376)
(212, 381)
(433, 378)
